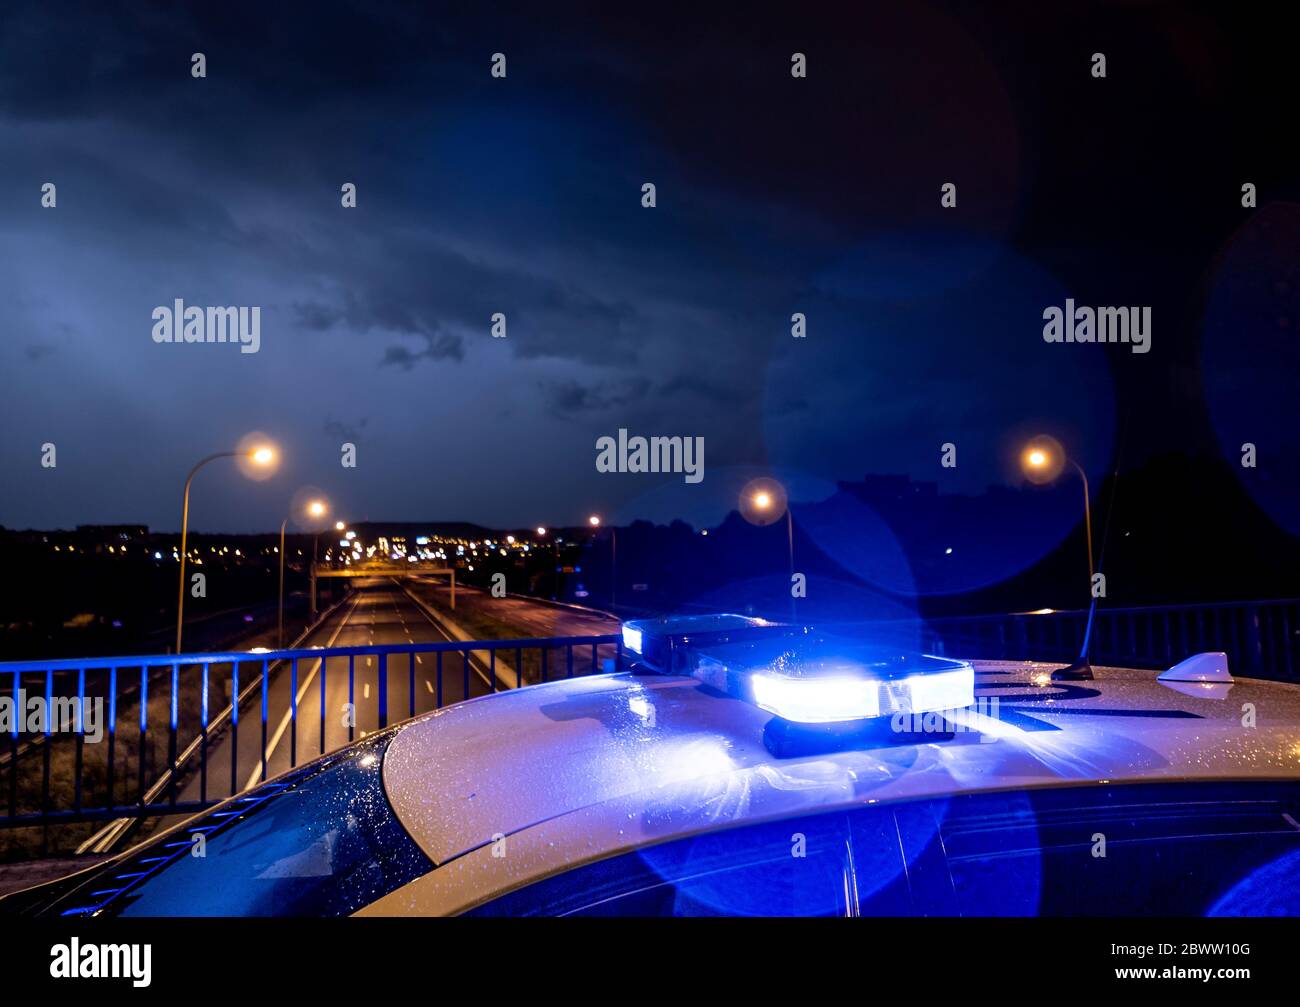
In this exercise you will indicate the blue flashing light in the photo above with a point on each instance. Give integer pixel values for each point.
(825, 680)
(943, 690)
(663, 644)
(816, 700)
(829, 700)
(798, 673)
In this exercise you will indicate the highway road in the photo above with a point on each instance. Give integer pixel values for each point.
(379, 612)
(338, 698)
(522, 615)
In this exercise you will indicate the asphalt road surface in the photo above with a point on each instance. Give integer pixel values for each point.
(525, 616)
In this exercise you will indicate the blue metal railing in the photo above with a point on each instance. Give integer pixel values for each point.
(84, 767)
(137, 769)
(1261, 638)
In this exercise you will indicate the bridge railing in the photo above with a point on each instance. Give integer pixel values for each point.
(90, 739)
(177, 734)
(1261, 638)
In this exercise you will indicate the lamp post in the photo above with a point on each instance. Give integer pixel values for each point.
(315, 509)
(339, 526)
(1042, 460)
(594, 521)
(262, 456)
(555, 551)
(764, 501)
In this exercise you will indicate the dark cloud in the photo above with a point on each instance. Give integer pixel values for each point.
(437, 346)
(478, 196)
(317, 317)
(709, 389)
(342, 431)
(572, 397)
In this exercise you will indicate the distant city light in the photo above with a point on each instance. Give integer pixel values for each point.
(594, 521)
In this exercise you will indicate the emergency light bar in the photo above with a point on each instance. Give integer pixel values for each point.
(662, 644)
(822, 680)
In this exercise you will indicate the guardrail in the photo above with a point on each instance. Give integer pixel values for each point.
(1261, 638)
(74, 766)
(137, 768)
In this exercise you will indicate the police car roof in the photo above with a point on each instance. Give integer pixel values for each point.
(682, 625)
(615, 761)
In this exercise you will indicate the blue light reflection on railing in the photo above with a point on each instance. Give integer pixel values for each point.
(161, 775)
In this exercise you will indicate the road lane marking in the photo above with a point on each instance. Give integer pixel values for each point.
(447, 636)
(366, 691)
(428, 686)
(288, 714)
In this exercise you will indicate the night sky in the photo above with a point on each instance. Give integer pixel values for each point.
(523, 196)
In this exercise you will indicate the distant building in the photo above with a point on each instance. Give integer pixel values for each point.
(113, 531)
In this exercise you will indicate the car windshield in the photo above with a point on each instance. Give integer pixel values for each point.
(321, 841)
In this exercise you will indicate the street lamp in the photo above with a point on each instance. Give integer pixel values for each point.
(764, 502)
(555, 551)
(262, 456)
(594, 521)
(315, 509)
(315, 553)
(1042, 460)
